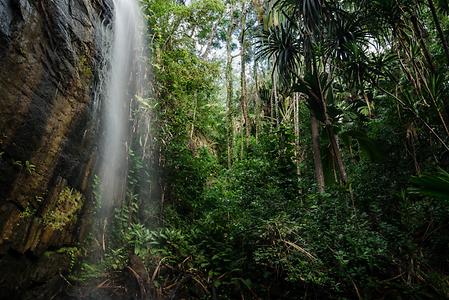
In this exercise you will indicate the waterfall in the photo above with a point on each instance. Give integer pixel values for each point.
(125, 79)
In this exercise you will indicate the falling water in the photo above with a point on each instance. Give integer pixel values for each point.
(124, 80)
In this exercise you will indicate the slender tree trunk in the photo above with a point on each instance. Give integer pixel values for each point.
(243, 84)
(319, 174)
(195, 107)
(229, 93)
(257, 100)
(275, 102)
(210, 39)
(436, 20)
(242, 145)
(296, 125)
(272, 104)
(229, 87)
(276, 105)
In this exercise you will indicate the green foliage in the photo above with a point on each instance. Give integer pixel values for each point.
(27, 165)
(87, 272)
(138, 238)
(72, 252)
(248, 235)
(96, 192)
(258, 228)
(68, 203)
(115, 259)
(128, 233)
(432, 185)
(85, 67)
(28, 212)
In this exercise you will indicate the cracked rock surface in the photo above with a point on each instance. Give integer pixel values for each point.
(47, 136)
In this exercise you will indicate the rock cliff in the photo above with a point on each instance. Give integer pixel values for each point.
(48, 56)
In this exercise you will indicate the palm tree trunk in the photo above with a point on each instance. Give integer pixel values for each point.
(333, 140)
(315, 126)
(319, 174)
(336, 151)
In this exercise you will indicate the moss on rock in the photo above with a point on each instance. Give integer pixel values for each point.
(68, 204)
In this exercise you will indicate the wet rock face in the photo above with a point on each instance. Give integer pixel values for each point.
(47, 132)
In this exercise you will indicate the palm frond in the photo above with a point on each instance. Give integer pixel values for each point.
(346, 31)
(431, 185)
(308, 11)
(282, 45)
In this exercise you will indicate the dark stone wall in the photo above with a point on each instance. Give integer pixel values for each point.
(47, 134)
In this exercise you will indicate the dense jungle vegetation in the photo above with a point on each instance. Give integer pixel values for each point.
(299, 150)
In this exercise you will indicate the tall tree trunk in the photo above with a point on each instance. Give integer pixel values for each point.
(243, 84)
(205, 50)
(296, 125)
(333, 138)
(315, 126)
(319, 174)
(257, 100)
(229, 87)
(272, 104)
(229, 93)
(195, 107)
(275, 101)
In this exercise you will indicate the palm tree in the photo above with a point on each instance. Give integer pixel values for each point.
(285, 46)
(291, 45)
